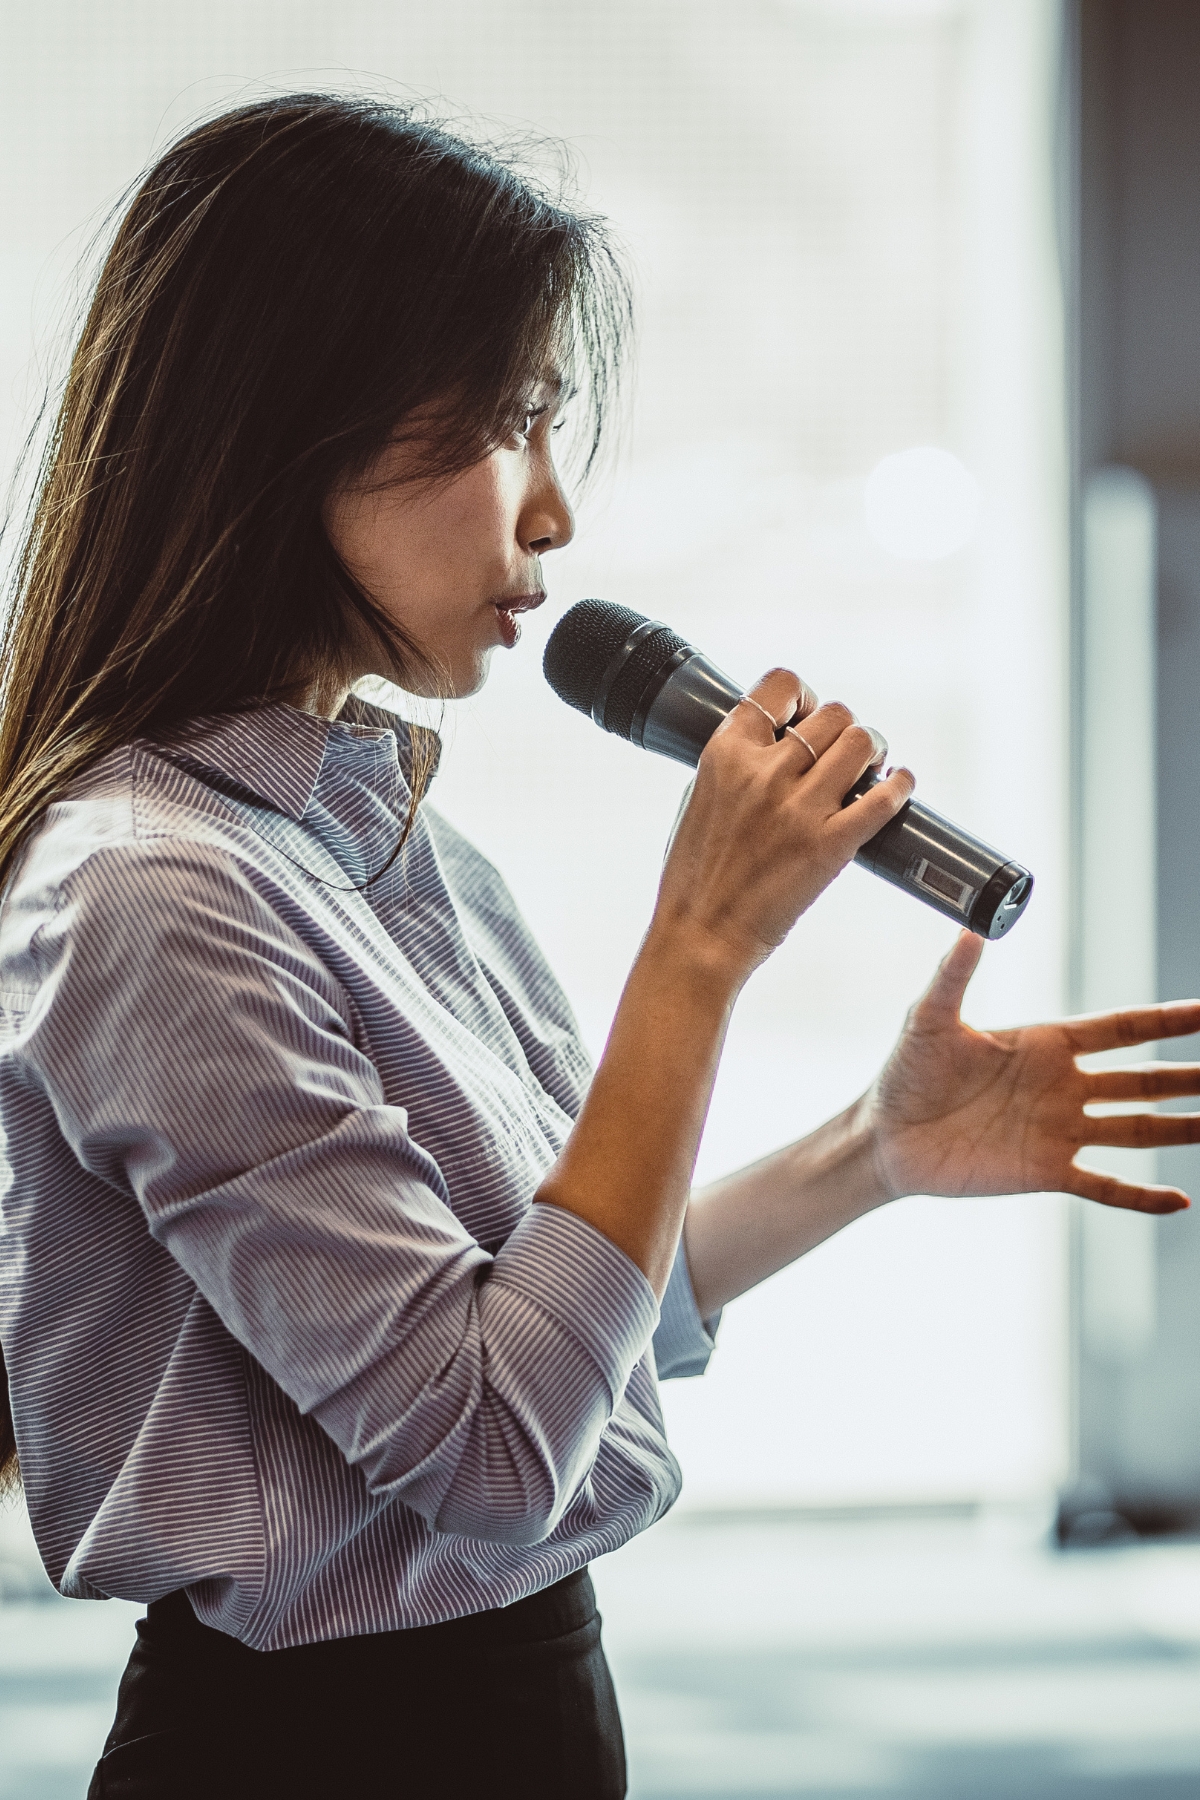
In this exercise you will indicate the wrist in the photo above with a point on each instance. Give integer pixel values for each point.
(866, 1145)
(855, 1154)
(698, 957)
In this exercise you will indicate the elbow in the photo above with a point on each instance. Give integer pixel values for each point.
(475, 1513)
(509, 1495)
(516, 1494)
(494, 1521)
(499, 1475)
(531, 1529)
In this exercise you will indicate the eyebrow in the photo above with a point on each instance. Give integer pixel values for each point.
(556, 381)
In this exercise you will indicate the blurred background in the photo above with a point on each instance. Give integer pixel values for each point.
(917, 412)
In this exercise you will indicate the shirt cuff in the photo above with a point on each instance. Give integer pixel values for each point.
(684, 1341)
(580, 1278)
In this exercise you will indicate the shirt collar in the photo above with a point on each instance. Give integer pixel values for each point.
(279, 752)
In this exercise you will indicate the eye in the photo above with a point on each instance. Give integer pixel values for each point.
(530, 417)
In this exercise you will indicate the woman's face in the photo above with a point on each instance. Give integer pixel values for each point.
(453, 564)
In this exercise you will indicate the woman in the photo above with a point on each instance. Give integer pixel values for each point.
(334, 1286)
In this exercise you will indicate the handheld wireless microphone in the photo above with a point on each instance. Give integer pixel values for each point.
(639, 679)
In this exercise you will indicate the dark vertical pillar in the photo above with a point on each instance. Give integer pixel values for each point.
(1132, 150)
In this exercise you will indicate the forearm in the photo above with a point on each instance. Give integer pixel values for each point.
(748, 1226)
(627, 1166)
(764, 832)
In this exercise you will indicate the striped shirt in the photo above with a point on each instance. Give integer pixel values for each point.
(282, 1325)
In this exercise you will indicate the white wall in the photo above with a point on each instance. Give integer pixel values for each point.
(839, 215)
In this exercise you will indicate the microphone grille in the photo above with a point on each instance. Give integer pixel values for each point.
(581, 647)
(641, 673)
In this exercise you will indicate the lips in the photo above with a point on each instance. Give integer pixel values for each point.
(519, 603)
(507, 610)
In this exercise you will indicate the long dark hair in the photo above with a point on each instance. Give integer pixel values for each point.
(290, 286)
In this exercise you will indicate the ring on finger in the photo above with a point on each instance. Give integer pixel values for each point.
(769, 717)
(792, 732)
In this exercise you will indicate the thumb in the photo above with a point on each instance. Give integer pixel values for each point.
(943, 998)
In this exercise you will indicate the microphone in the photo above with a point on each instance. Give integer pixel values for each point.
(641, 680)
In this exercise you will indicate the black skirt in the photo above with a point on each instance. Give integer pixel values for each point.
(517, 1700)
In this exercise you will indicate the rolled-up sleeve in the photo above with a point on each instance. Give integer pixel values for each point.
(683, 1342)
(201, 1060)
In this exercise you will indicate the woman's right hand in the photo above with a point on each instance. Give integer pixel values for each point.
(765, 830)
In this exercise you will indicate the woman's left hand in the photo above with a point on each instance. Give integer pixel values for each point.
(958, 1111)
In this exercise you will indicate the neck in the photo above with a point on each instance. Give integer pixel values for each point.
(325, 698)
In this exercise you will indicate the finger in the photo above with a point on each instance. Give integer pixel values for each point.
(766, 705)
(1135, 1025)
(805, 704)
(1143, 1131)
(872, 810)
(1149, 1081)
(852, 753)
(878, 741)
(1106, 1190)
(943, 997)
(879, 744)
(823, 730)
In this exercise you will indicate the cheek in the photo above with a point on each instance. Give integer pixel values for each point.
(476, 514)
(399, 541)
(360, 530)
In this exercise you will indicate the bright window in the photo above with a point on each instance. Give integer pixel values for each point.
(840, 216)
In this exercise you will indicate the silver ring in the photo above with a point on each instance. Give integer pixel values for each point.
(751, 701)
(792, 732)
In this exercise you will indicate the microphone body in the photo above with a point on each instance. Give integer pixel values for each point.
(639, 679)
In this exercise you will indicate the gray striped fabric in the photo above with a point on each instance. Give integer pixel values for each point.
(282, 1325)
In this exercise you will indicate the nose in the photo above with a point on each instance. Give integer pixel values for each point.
(548, 522)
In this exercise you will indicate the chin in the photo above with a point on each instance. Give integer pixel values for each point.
(446, 678)
(470, 678)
